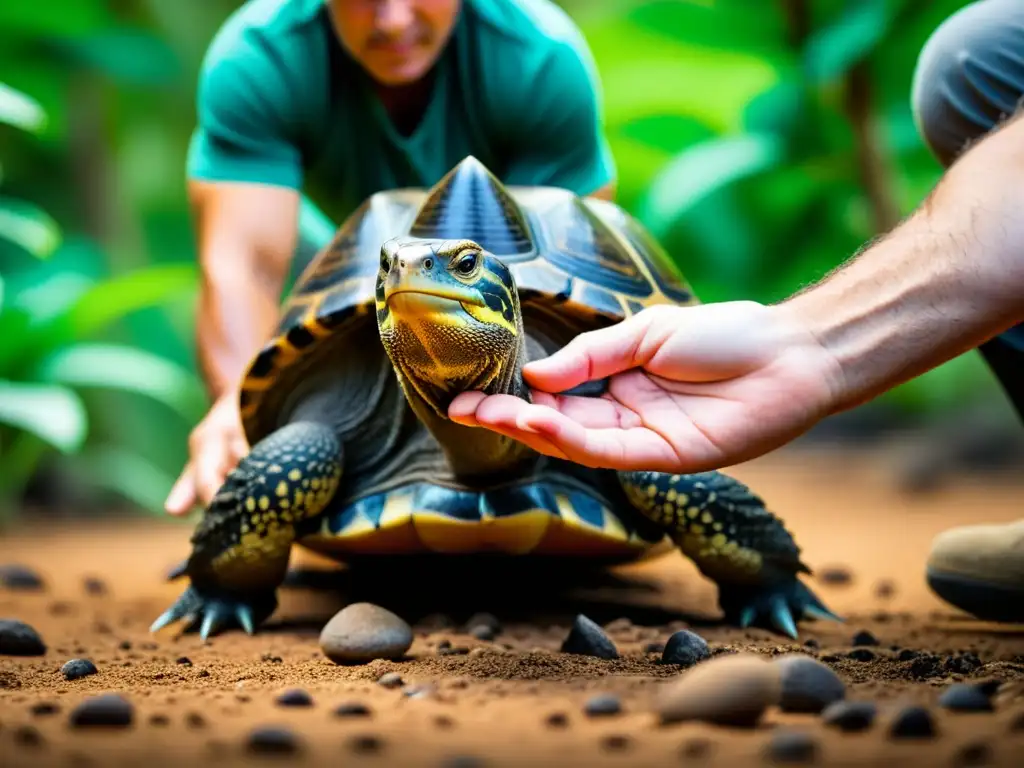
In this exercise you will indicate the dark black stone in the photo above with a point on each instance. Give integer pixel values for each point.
(185, 661)
(15, 576)
(366, 743)
(989, 687)
(976, 753)
(851, 716)
(19, 639)
(865, 638)
(861, 654)
(685, 648)
(907, 654)
(787, 746)
(603, 704)
(484, 620)
(912, 723)
(28, 736)
(444, 643)
(390, 680)
(588, 639)
(195, 720)
(78, 668)
(108, 709)
(963, 697)
(835, 575)
(352, 709)
(125, 645)
(963, 664)
(295, 698)
(557, 720)
(273, 741)
(812, 644)
(94, 586)
(42, 708)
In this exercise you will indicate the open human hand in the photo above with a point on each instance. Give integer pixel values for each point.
(691, 389)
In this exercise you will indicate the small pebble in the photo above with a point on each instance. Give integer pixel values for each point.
(19, 639)
(185, 661)
(788, 746)
(352, 709)
(273, 740)
(295, 698)
(977, 753)
(861, 654)
(615, 742)
(835, 575)
(365, 743)
(108, 709)
(557, 720)
(94, 586)
(42, 708)
(195, 720)
(483, 632)
(912, 723)
(455, 650)
(962, 697)
(488, 620)
(885, 589)
(444, 643)
(907, 655)
(807, 684)
(812, 644)
(390, 680)
(865, 638)
(602, 705)
(28, 736)
(444, 722)
(850, 716)
(362, 632)
(78, 668)
(159, 720)
(734, 689)
(685, 648)
(15, 576)
(463, 761)
(588, 639)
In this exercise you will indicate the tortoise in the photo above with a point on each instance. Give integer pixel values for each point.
(422, 294)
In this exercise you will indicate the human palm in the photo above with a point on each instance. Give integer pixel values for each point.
(690, 389)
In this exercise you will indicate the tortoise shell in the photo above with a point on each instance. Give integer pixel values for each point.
(585, 259)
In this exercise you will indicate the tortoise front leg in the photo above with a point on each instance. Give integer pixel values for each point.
(240, 548)
(725, 529)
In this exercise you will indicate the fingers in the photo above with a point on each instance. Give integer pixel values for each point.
(212, 464)
(183, 494)
(596, 354)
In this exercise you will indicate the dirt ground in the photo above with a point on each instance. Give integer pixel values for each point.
(495, 705)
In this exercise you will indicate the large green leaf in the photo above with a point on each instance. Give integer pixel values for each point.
(53, 18)
(29, 227)
(129, 475)
(127, 55)
(20, 110)
(703, 169)
(51, 412)
(112, 299)
(128, 369)
(831, 51)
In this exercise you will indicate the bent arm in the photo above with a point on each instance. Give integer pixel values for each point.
(947, 279)
(246, 238)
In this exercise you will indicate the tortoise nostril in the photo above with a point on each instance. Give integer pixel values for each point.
(428, 263)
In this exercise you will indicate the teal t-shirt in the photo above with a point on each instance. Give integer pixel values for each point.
(281, 102)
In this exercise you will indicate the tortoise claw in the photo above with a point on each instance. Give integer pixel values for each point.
(777, 605)
(215, 613)
(782, 618)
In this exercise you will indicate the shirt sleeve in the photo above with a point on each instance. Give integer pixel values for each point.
(245, 119)
(558, 134)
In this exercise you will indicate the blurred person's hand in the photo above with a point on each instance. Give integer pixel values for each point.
(215, 446)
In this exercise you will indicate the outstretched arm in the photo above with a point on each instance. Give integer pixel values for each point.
(705, 387)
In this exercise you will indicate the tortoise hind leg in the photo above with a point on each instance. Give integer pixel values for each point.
(734, 540)
(240, 548)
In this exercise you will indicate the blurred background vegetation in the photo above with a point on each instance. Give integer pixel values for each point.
(763, 141)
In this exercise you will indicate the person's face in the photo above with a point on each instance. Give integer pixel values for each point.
(396, 41)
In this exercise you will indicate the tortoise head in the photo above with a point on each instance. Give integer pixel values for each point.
(449, 318)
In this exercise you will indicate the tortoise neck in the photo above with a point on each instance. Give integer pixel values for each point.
(474, 454)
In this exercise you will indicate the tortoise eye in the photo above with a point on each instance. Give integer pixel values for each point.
(467, 263)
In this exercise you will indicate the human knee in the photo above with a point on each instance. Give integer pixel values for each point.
(969, 75)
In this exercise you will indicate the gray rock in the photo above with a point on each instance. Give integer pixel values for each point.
(850, 716)
(77, 668)
(685, 648)
(363, 632)
(734, 689)
(294, 697)
(603, 705)
(792, 747)
(962, 697)
(390, 680)
(913, 722)
(17, 576)
(273, 741)
(19, 639)
(807, 684)
(586, 638)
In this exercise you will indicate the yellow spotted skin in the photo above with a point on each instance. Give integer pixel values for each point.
(719, 523)
(244, 540)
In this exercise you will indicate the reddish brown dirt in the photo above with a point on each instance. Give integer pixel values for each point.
(494, 704)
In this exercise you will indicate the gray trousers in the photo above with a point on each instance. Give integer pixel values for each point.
(969, 77)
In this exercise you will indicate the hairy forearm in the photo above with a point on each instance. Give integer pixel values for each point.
(238, 311)
(945, 280)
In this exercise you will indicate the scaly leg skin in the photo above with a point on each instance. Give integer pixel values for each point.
(734, 540)
(240, 548)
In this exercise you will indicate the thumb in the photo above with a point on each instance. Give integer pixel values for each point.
(591, 356)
